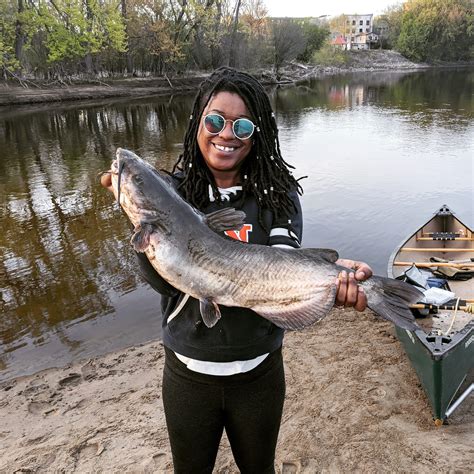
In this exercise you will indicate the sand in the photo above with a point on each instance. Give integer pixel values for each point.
(353, 404)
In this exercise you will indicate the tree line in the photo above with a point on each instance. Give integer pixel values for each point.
(57, 39)
(430, 30)
(65, 38)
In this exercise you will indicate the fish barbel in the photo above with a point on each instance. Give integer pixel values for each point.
(293, 288)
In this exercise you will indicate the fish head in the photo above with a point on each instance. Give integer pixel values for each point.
(138, 187)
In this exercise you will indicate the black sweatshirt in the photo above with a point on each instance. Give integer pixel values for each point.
(240, 334)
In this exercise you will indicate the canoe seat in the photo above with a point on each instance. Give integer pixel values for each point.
(445, 235)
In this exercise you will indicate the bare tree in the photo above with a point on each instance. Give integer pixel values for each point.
(232, 52)
(288, 41)
(128, 53)
(216, 49)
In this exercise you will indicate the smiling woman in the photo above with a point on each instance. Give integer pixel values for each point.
(230, 375)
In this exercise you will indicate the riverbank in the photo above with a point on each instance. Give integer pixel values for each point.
(353, 403)
(13, 93)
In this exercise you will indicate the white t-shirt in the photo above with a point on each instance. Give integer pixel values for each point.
(221, 368)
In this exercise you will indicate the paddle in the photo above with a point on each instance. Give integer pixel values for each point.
(469, 308)
(434, 264)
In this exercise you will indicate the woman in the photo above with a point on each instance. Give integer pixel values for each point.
(231, 376)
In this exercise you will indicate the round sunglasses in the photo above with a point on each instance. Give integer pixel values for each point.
(242, 128)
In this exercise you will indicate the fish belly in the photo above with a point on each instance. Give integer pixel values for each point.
(305, 301)
(291, 291)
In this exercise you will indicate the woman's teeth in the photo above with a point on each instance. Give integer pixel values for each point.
(224, 148)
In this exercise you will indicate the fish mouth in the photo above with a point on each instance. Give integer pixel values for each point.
(101, 173)
(120, 166)
(117, 168)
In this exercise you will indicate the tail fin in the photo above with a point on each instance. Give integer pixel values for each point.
(390, 299)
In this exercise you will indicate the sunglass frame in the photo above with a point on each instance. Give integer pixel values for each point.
(225, 123)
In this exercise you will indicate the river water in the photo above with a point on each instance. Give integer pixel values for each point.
(381, 151)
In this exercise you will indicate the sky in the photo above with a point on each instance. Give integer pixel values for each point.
(315, 8)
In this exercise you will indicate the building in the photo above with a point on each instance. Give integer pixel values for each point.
(356, 31)
(339, 41)
(356, 24)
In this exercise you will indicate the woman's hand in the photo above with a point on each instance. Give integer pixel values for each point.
(349, 294)
(106, 181)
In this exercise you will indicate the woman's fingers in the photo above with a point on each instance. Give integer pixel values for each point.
(349, 294)
(362, 271)
(106, 180)
(361, 303)
(341, 289)
(347, 290)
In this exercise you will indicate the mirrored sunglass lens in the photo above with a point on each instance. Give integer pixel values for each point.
(214, 123)
(243, 128)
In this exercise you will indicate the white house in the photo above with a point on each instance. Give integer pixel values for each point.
(358, 32)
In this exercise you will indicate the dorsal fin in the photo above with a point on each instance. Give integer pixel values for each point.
(225, 219)
(328, 255)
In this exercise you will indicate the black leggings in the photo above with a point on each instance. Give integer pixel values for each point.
(198, 407)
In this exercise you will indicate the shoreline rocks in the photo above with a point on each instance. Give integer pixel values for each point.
(12, 94)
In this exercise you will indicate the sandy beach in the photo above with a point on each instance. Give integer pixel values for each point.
(353, 404)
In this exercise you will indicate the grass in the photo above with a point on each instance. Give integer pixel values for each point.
(330, 55)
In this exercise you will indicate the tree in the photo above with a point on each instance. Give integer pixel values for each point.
(79, 30)
(340, 25)
(208, 32)
(288, 41)
(8, 30)
(255, 51)
(434, 30)
(128, 53)
(20, 37)
(235, 25)
(315, 36)
(254, 18)
(384, 30)
(215, 36)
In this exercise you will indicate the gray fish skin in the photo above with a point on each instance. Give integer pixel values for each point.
(293, 288)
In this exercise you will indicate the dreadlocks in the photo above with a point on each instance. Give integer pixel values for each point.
(264, 173)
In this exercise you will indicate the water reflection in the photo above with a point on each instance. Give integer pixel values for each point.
(68, 284)
(432, 97)
(378, 163)
(63, 245)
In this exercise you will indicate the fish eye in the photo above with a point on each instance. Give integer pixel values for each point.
(137, 179)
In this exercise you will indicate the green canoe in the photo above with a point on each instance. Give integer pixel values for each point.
(442, 352)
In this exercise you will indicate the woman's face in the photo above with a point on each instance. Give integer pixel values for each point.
(224, 153)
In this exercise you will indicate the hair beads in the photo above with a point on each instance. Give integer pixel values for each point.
(259, 175)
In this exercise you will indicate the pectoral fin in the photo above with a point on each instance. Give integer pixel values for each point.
(225, 219)
(210, 312)
(141, 237)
